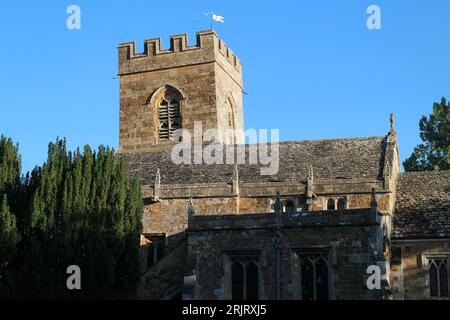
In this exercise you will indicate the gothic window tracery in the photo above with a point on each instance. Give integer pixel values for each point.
(244, 277)
(438, 277)
(314, 276)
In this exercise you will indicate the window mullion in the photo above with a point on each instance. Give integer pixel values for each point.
(168, 118)
(439, 279)
(314, 279)
(245, 281)
(447, 265)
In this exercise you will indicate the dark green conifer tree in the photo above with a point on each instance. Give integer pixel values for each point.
(9, 186)
(83, 209)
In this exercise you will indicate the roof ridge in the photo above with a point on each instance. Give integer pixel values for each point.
(424, 172)
(335, 139)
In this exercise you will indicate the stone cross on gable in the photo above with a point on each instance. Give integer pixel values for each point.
(392, 130)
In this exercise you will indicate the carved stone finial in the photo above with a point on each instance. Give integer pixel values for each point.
(277, 205)
(156, 185)
(235, 182)
(158, 177)
(236, 173)
(310, 183)
(392, 130)
(373, 201)
(191, 208)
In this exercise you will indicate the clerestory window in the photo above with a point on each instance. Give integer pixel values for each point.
(342, 204)
(330, 204)
(290, 207)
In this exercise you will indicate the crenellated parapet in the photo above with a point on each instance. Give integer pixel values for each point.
(226, 52)
(209, 48)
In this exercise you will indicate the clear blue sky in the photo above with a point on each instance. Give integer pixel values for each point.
(311, 67)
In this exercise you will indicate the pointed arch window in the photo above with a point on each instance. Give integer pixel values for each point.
(438, 277)
(245, 277)
(314, 276)
(168, 116)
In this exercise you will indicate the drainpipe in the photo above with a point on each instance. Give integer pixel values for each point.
(278, 264)
(278, 246)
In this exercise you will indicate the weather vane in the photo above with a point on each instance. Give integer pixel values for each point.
(214, 17)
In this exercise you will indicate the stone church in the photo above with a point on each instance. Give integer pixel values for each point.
(335, 210)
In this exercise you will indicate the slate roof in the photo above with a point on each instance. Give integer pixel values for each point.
(331, 159)
(422, 208)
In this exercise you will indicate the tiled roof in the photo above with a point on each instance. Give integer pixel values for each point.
(422, 208)
(331, 159)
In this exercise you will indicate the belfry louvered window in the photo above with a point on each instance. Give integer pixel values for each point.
(169, 116)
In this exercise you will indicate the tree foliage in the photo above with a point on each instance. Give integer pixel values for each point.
(434, 153)
(79, 208)
(9, 182)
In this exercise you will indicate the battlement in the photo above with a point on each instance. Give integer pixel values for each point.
(208, 48)
(229, 55)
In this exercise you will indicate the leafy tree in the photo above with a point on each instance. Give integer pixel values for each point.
(434, 153)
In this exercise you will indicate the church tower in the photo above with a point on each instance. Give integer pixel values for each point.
(162, 90)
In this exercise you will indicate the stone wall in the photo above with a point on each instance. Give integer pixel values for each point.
(169, 214)
(409, 276)
(351, 238)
